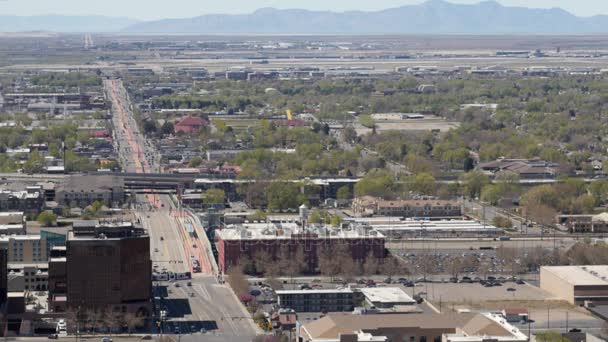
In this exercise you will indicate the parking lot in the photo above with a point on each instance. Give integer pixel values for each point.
(477, 295)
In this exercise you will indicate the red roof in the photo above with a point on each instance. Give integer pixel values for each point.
(99, 134)
(516, 311)
(292, 123)
(190, 121)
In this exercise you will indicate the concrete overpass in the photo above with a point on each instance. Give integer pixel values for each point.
(167, 181)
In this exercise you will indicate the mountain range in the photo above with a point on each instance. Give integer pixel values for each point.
(431, 17)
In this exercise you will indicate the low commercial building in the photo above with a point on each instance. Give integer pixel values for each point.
(12, 223)
(417, 228)
(585, 223)
(576, 284)
(462, 327)
(324, 300)
(82, 191)
(425, 208)
(34, 277)
(29, 200)
(524, 168)
(386, 297)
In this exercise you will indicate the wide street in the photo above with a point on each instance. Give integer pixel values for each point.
(205, 304)
(193, 307)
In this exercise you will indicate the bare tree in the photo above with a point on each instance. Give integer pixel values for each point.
(329, 263)
(371, 266)
(511, 259)
(392, 267)
(263, 263)
(349, 268)
(113, 320)
(427, 265)
(455, 266)
(484, 270)
(237, 281)
(133, 321)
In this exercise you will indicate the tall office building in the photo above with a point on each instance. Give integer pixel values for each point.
(107, 266)
(3, 275)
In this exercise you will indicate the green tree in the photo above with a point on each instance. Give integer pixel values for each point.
(550, 336)
(167, 128)
(343, 193)
(214, 196)
(96, 206)
(378, 183)
(367, 121)
(335, 221)
(473, 182)
(47, 218)
(195, 162)
(491, 194)
(149, 127)
(257, 216)
(284, 195)
(34, 164)
(424, 183)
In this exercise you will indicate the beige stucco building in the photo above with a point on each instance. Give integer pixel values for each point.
(576, 284)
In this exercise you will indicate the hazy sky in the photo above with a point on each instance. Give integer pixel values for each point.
(155, 9)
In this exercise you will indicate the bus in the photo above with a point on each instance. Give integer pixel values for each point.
(183, 276)
(160, 276)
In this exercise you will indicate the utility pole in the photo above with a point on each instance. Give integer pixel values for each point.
(63, 150)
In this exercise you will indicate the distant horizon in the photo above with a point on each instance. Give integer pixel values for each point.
(180, 9)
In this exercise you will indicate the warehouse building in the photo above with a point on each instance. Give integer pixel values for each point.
(576, 284)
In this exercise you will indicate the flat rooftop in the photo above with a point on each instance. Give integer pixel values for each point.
(442, 225)
(20, 238)
(278, 231)
(314, 291)
(581, 275)
(387, 295)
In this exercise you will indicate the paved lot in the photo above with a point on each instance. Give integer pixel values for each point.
(476, 294)
(409, 125)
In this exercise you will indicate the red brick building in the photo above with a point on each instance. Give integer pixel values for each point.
(236, 244)
(189, 125)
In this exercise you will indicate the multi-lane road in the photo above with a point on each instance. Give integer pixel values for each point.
(135, 153)
(196, 307)
(199, 304)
